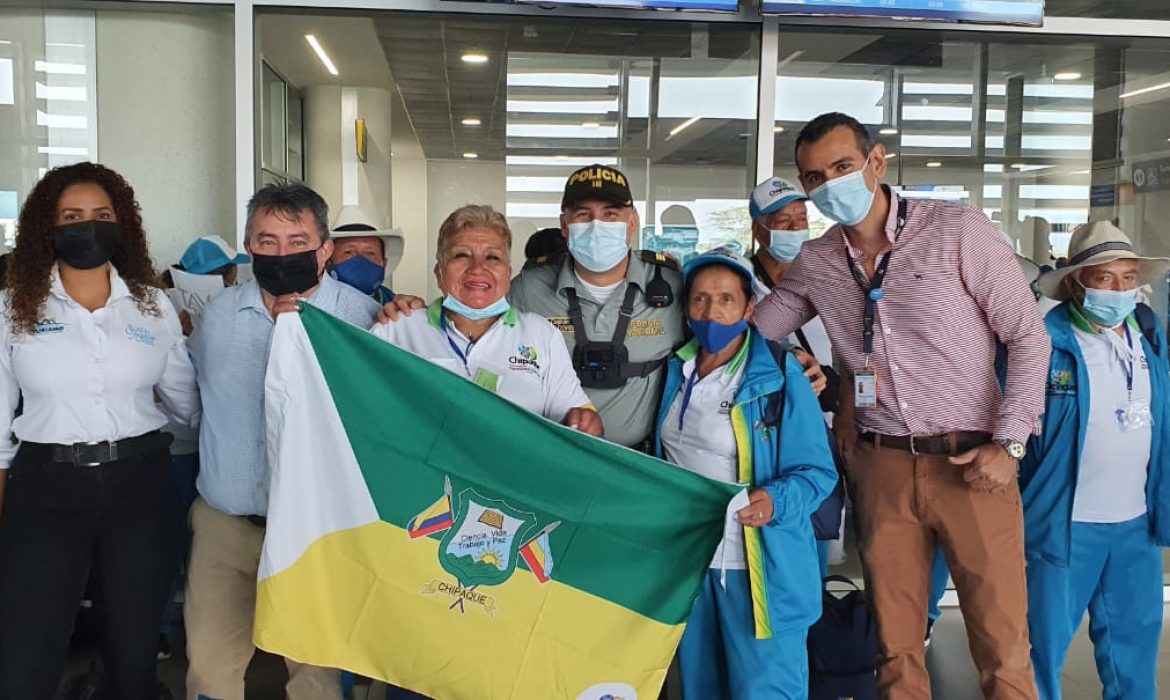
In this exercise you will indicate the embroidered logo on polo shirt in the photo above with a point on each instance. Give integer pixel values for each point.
(1061, 383)
(140, 335)
(48, 325)
(524, 359)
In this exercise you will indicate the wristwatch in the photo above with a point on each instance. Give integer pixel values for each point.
(1015, 449)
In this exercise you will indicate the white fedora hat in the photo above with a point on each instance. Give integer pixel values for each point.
(1098, 243)
(352, 222)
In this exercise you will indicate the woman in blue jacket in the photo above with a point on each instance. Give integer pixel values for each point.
(731, 413)
(1094, 482)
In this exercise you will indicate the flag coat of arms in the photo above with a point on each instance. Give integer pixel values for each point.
(424, 532)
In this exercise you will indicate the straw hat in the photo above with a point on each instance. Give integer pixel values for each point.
(1096, 244)
(352, 222)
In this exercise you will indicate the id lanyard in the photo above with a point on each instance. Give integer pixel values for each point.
(462, 355)
(686, 397)
(1128, 366)
(872, 289)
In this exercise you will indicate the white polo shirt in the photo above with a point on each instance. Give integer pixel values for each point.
(705, 443)
(522, 357)
(1111, 485)
(92, 376)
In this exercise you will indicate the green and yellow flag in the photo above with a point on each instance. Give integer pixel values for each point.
(427, 533)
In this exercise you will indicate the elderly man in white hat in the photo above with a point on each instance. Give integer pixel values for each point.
(363, 253)
(1095, 482)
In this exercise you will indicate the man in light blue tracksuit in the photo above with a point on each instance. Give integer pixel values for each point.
(738, 410)
(1095, 484)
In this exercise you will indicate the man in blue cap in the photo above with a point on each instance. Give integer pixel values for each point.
(780, 228)
(211, 255)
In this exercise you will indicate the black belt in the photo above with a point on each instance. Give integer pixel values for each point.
(945, 444)
(92, 454)
(258, 520)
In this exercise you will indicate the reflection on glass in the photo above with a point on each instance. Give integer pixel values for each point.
(273, 154)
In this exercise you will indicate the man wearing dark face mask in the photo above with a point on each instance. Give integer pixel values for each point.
(364, 254)
(288, 238)
(914, 295)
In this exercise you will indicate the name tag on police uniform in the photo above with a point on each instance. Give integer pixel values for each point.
(865, 388)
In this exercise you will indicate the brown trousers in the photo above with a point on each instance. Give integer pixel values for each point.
(905, 506)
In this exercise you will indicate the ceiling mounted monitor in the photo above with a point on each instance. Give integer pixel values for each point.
(1015, 12)
(698, 5)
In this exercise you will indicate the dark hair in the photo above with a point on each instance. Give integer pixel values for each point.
(749, 292)
(546, 242)
(816, 129)
(289, 202)
(33, 257)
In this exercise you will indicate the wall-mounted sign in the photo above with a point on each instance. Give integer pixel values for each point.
(1020, 12)
(1103, 195)
(360, 139)
(1151, 176)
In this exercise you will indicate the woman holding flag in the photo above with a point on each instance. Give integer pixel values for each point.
(473, 331)
(738, 409)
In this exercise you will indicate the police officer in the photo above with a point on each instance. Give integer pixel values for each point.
(618, 309)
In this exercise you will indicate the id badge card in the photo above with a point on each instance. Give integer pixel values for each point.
(865, 388)
(1134, 415)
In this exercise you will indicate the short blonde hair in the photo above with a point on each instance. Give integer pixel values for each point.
(471, 216)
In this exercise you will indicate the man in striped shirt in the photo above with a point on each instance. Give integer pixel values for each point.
(915, 296)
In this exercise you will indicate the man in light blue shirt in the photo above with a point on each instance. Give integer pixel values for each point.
(288, 237)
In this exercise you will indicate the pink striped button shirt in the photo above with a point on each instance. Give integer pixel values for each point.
(951, 289)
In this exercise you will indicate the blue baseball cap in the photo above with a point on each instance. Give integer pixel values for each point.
(724, 255)
(208, 254)
(772, 195)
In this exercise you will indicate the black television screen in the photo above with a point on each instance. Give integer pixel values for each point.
(1025, 12)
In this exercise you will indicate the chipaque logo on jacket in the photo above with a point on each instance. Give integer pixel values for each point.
(1062, 382)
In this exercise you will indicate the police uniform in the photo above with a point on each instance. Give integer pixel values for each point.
(520, 357)
(653, 330)
(87, 484)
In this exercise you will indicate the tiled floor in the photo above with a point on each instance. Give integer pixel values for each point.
(951, 670)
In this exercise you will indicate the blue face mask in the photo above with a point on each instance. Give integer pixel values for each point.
(1107, 307)
(599, 245)
(845, 199)
(786, 244)
(359, 273)
(500, 306)
(713, 336)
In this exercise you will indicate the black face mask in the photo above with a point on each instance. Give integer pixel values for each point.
(286, 274)
(86, 244)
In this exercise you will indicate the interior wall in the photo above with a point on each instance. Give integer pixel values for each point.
(450, 185)
(408, 214)
(166, 121)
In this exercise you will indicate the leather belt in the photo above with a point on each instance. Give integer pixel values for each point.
(258, 520)
(92, 454)
(945, 444)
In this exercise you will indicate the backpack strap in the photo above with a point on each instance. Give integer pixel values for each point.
(1147, 321)
(774, 408)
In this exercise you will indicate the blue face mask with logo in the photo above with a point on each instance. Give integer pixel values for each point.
(496, 308)
(360, 273)
(713, 336)
(845, 199)
(599, 245)
(1107, 307)
(786, 244)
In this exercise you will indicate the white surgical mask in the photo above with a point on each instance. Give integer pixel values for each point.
(598, 245)
(845, 199)
(786, 244)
